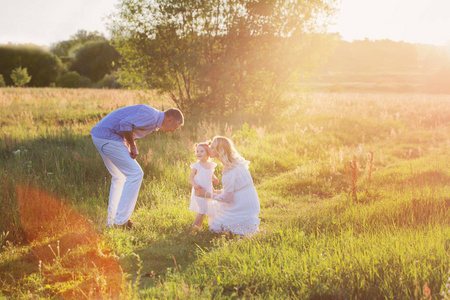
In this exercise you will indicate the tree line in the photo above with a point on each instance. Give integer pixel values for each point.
(385, 65)
(85, 60)
(367, 56)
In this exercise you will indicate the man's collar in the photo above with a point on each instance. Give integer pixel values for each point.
(160, 120)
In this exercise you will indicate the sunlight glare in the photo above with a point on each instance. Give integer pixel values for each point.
(413, 21)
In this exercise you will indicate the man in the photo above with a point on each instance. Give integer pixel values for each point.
(114, 137)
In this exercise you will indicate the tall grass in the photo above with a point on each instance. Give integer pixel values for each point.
(378, 232)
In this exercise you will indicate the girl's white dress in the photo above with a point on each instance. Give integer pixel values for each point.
(237, 208)
(203, 177)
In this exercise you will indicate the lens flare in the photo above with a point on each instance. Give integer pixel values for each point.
(67, 246)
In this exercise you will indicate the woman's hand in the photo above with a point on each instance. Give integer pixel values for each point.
(201, 192)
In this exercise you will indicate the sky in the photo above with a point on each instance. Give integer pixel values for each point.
(46, 22)
(413, 21)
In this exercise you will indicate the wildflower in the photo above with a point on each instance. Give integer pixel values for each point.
(16, 152)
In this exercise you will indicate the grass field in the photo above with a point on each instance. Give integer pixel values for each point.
(354, 191)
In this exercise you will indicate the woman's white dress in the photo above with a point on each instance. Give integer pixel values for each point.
(203, 177)
(237, 208)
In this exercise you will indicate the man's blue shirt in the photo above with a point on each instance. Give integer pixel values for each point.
(140, 119)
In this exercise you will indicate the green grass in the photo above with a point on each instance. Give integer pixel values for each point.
(316, 241)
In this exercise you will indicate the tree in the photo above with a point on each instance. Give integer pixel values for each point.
(67, 49)
(20, 76)
(43, 66)
(221, 55)
(95, 60)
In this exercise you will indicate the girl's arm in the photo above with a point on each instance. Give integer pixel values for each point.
(192, 180)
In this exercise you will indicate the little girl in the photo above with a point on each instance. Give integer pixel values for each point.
(202, 175)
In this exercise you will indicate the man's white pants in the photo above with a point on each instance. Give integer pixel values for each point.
(126, 179)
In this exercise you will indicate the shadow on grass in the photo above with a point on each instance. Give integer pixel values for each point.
(172, 254)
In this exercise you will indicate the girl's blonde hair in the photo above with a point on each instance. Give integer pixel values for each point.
(227, 153)
(204, 145)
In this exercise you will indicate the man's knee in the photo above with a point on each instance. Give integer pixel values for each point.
(137, 174)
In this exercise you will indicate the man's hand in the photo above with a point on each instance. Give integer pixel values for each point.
(133, 151)
(128, 135)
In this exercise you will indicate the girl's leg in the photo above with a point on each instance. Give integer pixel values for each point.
(198, 221)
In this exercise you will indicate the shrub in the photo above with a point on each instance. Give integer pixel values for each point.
(73, 80)
(20, 76)
(2, 81)
(109, 82)
(95, 59)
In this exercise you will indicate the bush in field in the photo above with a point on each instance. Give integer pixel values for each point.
(20, 76)
(43, 66)
(109, 82)
(2, 81)
(73, 80)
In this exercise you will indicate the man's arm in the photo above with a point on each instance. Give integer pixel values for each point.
(133, 148)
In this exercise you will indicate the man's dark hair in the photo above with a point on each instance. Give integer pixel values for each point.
(175, 114)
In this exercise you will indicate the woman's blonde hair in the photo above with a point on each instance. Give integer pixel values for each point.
(227, 153)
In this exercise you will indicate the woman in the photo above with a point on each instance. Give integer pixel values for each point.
(236, 208)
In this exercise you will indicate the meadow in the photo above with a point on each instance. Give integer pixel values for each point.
(354, 191)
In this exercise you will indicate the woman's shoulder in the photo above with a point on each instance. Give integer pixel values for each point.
(242, 165)
(241, 171)
(229, 170)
